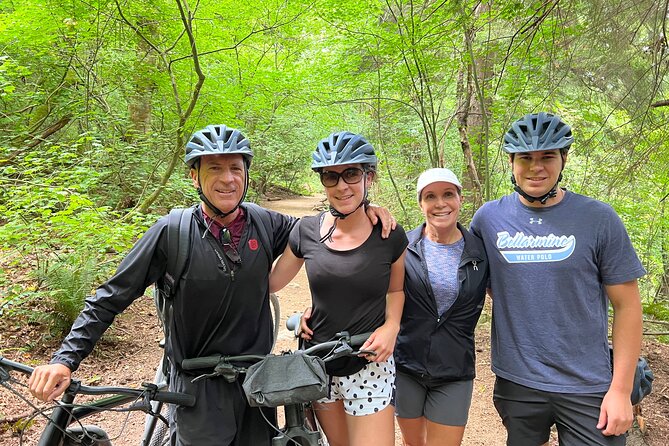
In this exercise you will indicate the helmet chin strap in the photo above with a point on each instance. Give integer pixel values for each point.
(337, 215)
(543, 198)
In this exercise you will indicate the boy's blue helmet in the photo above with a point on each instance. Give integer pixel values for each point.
(344, 148)
(538, 131)
(215, 140)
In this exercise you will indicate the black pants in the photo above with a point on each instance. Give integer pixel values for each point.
(221, 415)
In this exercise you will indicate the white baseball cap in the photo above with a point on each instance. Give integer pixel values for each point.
(434, 176)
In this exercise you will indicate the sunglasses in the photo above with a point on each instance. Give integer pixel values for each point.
(228, 248)
(352, 175)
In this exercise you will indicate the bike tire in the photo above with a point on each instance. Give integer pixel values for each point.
(94, 435)
(275, 308)
(161, 434)
(157, 433)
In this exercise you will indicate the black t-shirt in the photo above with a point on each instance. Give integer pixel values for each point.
(348, 288)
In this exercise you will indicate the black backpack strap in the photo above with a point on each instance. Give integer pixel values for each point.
(178, 247)
(261, 219)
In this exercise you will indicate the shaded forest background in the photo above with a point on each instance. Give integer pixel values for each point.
(97, 99)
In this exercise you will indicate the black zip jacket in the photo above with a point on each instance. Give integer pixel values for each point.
(440, 347)
(217, 308)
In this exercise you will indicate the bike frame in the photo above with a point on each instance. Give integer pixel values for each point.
(65, 414)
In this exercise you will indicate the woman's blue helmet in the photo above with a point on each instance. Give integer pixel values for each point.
(215, 140)
(344, 148)
(538, 131)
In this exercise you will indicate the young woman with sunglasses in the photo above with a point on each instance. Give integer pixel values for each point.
(356, 280)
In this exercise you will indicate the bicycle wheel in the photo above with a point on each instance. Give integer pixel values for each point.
(161, 434)
(87, 436)
(157, 433)
(276, 316)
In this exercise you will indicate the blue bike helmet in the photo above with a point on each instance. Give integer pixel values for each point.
(344, 148)
(215, 140)
(538, 131)
(218, 140)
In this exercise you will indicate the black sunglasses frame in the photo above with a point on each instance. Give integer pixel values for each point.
(341, 175)
(228, 248)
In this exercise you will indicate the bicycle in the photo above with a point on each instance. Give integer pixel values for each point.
(64, 423)
(300, 427)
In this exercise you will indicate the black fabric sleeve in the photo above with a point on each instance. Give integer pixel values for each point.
(142, 266)
(281, 226)
(294, 243)
(400, 241)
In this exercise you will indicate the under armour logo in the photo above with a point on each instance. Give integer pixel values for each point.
(536, 220)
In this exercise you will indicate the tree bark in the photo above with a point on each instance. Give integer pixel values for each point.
(53, 128)
(470, 122)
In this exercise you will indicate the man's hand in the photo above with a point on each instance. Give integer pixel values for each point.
(49, 381)
(615, 415)
(376, 213)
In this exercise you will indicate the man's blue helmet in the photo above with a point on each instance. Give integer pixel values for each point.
(538, 131)
(217, 140)
(344, 148)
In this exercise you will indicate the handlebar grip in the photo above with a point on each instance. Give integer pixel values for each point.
(358, 340)
(182, 399)
(293, 322)
(201, 363)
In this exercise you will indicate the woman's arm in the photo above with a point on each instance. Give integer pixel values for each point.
(382, 341)
(285, 269)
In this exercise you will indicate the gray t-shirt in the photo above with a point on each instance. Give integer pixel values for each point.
(442, 267)
(548, 268)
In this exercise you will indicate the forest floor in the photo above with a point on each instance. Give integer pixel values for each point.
(129, 353)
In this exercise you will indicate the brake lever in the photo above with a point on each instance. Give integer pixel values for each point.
(205, 376)
(228, 371)
(364, 352)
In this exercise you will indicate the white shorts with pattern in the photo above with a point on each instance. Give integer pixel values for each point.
(368, 391)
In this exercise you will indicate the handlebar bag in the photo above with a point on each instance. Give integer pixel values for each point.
(285, 379)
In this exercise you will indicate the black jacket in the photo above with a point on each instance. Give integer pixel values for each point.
(214, 311)
(441, 347)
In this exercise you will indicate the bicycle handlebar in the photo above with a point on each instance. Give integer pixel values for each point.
(213, 360)
(75, 386)
(205, 362)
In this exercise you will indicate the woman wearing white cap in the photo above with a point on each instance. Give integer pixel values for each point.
(446, 273)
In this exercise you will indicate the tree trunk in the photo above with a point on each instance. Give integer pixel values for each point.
(140, 103)
(183, 113)
(470, 124)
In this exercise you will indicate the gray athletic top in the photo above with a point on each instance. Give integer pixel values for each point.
(442, 267)
(547, 271)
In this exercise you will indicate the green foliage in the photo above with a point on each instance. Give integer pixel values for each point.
(68, 279)
(288, 74)
(657, 310)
